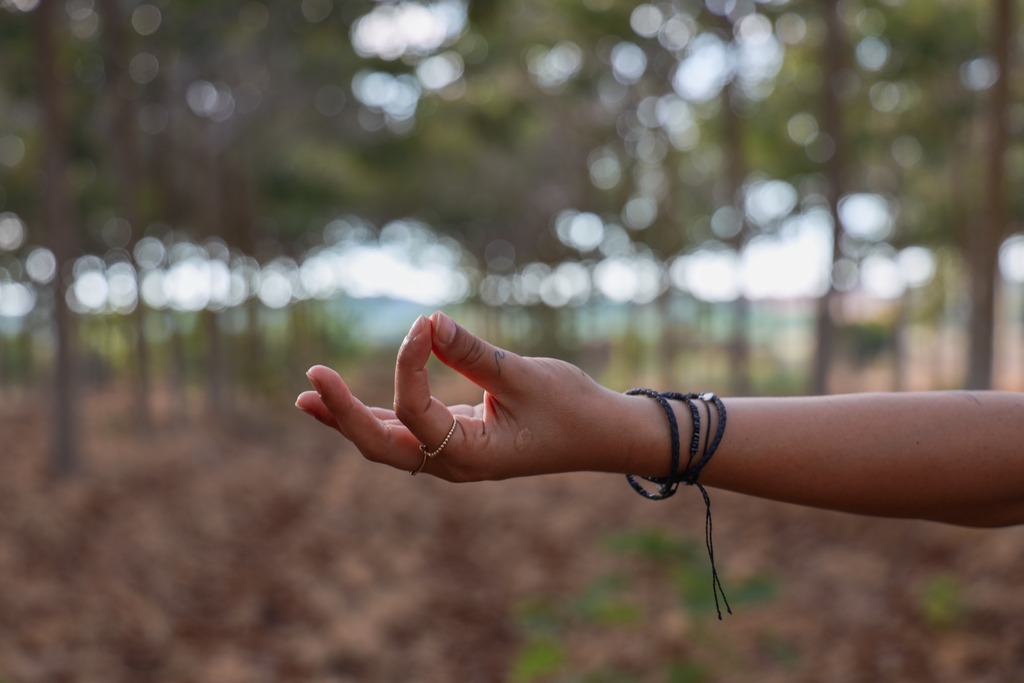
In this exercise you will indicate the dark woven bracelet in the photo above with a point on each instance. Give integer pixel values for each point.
(666, 486)
(688, 399)
(691, 474)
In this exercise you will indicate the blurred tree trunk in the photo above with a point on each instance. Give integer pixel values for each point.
(6, 362)
(984, 240)
(207, 188)
(902, 363)
(669, 232)
(834, 58)
(240, 221)
(27, 360)
(669, 338)
(59, 216)
(163, 160)
(215, 370)
(122, 141)
(735, 172)
(177, 370)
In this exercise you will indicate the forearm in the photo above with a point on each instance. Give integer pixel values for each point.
(949, 456)
(956, 457)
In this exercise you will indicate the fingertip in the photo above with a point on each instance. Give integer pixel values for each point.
(444, 327)
(305, 400)
(328, 384)
(416, 329)
(315, 375)
(416, 346)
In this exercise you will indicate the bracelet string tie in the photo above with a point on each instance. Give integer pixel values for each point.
(665, 487)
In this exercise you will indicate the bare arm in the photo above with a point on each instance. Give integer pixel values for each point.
(949, 456)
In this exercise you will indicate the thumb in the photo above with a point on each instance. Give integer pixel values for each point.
(484, 364)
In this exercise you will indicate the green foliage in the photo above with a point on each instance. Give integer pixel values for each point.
(602, 676)
(538, 659)
(648, 555)
(602, 605)
(693, 585)
(652, 545)
(778, 382)
(688, 569)
(539, 617)
(599, 604)
(781, 650)
(687, 672)
(866, 341)
(754, 590)
(942, 602)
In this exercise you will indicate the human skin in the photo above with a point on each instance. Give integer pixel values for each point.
(955, 457)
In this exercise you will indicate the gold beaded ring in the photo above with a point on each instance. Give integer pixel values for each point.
(427, 454)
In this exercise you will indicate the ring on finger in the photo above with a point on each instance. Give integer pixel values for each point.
(420, 468)
(427, 453)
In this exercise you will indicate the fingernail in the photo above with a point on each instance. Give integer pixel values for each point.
(314, 381)
(414, 331)
(445, 329)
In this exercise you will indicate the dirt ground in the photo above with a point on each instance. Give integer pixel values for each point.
(261, 548)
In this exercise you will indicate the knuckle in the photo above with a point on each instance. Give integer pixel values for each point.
(402, 410)
(403, 361)
(473, 351)
(380, 451)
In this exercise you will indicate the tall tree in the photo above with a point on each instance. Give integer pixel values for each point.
(60, 222)
(985, 238)
(122, 141)
(734, 175)
(833, 124)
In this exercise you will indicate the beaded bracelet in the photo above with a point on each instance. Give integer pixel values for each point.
(667, 486)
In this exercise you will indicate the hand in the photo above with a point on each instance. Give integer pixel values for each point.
(537, 416)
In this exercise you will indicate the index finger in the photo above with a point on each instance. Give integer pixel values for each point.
(377, 439)
(426, 417)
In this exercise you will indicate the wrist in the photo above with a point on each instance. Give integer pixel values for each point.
(647, 437)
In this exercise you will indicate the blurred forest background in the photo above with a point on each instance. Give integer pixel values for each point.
(199, 200)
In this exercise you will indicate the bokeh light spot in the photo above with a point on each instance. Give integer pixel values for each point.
(552, 68)
(646, 20)
(143, 68)
(16, 300)
(980, 73)
(1011, 258)
(12, 150)
(146, 19)
(640, 212)
(866, 216)
(390, 31)
(12, 231)
(628, 63)
(41, 265)
(440, 71)
(315, 11)
(917, 264)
